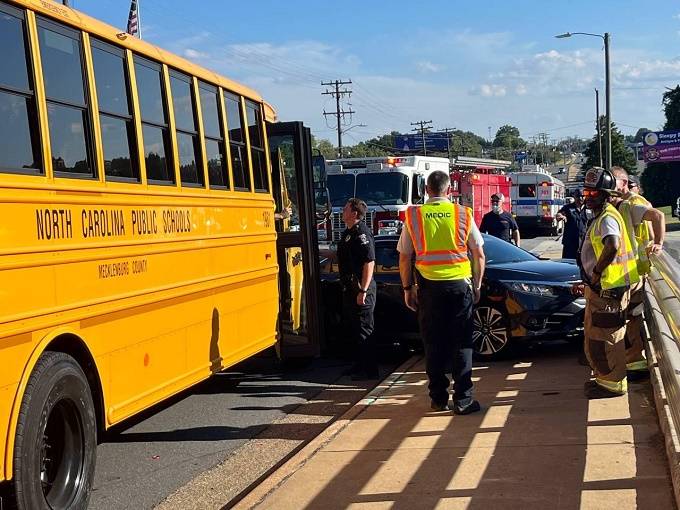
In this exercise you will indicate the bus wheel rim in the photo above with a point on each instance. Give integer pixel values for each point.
(62, 454)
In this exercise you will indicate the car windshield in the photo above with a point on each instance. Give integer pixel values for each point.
(383, 188)
(498, 251)
(340, 188)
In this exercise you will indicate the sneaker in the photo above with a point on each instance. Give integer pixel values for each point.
(470, 408)
(438, 406)
(593, 391)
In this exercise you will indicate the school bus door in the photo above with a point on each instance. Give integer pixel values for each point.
(300, 326)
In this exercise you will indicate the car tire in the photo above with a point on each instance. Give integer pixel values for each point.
(56, 437)
(490, 334)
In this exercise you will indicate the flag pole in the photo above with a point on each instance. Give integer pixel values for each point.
(139, 20)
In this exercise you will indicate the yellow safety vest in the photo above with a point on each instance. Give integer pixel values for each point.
(639, 236)
(440, 231)
(622, 272)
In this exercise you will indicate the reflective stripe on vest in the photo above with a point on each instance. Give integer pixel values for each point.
(439, 231)
(640, 233)
(622, 272)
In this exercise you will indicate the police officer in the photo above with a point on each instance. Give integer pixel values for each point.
(608, 268)
(500, 223)
(448, 284)
(356, 262)
(575, 227)
(637, 212)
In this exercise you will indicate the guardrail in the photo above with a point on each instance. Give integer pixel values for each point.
(662, 314)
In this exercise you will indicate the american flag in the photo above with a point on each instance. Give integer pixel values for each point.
(133, 19)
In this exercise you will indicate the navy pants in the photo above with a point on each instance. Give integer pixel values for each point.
(445, 317)
(359, 326)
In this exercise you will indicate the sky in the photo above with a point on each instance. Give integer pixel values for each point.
(466, 65)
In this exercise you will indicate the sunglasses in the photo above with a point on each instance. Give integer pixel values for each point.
(591, 193)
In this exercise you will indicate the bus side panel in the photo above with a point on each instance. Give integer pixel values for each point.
(13, 348)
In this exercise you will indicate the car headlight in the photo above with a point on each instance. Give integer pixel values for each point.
(532, 288)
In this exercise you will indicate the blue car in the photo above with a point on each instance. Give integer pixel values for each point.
(523, 299)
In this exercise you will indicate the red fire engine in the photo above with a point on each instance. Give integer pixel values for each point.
(473, 184)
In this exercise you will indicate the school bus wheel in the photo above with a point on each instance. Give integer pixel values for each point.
(55, 445)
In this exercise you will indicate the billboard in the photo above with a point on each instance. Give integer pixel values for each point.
(414, 142)
(661, 146)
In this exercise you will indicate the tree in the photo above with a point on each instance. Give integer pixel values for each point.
(621, 156)
(671, 108)
(328, 151)
(507, 137)
(661, 183)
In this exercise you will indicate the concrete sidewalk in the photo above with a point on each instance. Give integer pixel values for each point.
(538, 443)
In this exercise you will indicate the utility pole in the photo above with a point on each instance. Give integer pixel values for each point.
(608, 105)
(597, 123)
(339, 113)
(423, 127)
(448, 141)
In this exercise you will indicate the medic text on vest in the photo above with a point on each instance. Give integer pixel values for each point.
(434, 215)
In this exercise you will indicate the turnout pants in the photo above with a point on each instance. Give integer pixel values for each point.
(635, 360)
(445, 317)
(605, 329)
(359, 326)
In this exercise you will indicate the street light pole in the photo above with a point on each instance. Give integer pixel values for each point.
(608, 101)
(597, 123)
(607, 83)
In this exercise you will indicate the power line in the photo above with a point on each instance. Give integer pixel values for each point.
(339, 112)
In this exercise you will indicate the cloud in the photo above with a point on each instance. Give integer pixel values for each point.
(429, 67)
(194, 54)
(489, 90)
(520, 89)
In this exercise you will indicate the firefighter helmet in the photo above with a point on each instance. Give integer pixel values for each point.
(600, 179)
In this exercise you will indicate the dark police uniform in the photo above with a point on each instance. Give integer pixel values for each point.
(499, 225)
(356, 248)
(574, 230)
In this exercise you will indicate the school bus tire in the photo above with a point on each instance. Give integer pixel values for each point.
(56, 437)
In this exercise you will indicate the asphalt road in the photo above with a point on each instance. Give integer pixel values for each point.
(142, 464)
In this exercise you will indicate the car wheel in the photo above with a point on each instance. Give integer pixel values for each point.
(490, 335)
(56, 438)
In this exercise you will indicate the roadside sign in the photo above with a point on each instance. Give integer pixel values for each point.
(661, 146)
(414, 142)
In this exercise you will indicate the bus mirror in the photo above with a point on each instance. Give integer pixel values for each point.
(319, 166)
(419, 188)
(322, 202)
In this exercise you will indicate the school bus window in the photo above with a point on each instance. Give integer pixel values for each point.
(19, 140)
(67, 107)
(257, 154)
(187, 134)
(214, 140)
(237, 145)
(115, 113)
(155, 132)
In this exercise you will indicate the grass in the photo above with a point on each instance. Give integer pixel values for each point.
(667, 212)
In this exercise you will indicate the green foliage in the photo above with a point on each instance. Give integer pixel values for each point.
(661, 183)
(621, 156)
(507, 137)
(326, 148)
(671, 107)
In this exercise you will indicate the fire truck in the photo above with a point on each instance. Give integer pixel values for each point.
(474, 180)
(388, 185)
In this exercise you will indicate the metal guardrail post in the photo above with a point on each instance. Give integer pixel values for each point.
(662, 313)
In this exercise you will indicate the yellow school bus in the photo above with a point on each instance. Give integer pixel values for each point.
(138, 242)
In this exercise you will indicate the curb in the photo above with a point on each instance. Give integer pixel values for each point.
(275, 480)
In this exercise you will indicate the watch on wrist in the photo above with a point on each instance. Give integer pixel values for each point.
(363, 291)
(407, 287)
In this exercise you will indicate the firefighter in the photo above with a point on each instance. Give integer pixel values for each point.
(608, 268)
(500, 223)
(448, 284)
(637, 212)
